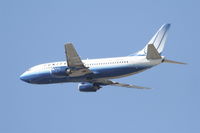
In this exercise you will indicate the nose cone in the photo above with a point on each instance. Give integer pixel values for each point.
(24, 77)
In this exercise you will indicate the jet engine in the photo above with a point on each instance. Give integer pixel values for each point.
(88, 87)
(60, 72)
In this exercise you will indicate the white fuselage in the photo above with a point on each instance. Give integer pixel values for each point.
(55, 72)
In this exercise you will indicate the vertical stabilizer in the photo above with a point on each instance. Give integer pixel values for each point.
(158, 40)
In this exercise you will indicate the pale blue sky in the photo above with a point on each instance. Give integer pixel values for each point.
(34, 32)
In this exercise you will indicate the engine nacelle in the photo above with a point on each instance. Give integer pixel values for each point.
(60, 71)
(68, 71)
(88, 87)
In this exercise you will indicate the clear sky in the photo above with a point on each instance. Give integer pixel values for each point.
(34, 32)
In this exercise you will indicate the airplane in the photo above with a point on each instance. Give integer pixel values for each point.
(93, 74)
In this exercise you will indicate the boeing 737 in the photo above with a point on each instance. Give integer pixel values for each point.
(92, 74)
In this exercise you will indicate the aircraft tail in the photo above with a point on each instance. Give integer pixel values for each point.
(171, 61)
(158, 40)
(155, 46)
(153, 54)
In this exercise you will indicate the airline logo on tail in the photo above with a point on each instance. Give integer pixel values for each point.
(158, 40)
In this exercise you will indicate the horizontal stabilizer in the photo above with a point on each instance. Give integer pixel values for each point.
(152, 53)
(171, 61)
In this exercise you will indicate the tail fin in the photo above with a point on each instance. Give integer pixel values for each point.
(158, 40)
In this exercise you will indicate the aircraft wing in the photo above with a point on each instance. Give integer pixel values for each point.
(113, 83)
(74, 62)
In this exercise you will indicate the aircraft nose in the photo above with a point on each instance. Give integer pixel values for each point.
(24, 77)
